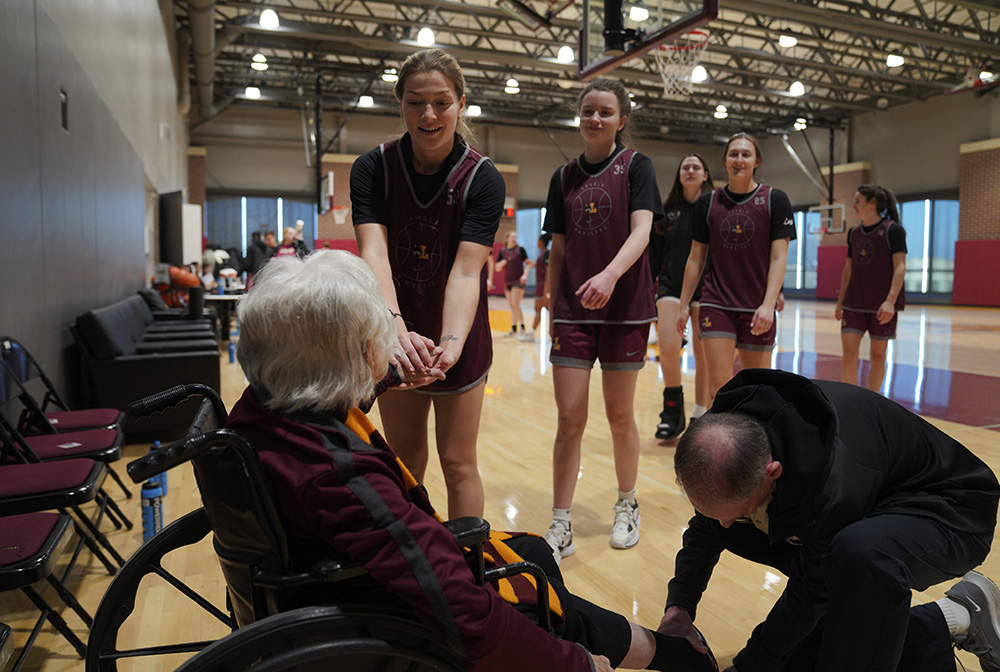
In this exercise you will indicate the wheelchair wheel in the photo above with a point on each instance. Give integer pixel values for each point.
(359, 638)
(105, 647)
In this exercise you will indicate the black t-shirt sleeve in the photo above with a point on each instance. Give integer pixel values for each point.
(699, 218)
(555, 222)
(368, 202)
(782, 220)
(850, 231)
(644, 193)
(897, 238)
(484, 206)
(524, 254)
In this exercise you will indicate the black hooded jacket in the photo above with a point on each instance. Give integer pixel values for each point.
(846, 454)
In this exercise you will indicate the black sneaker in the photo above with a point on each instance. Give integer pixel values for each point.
(981, 598)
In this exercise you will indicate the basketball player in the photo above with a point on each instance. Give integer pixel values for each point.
(600, 209)
(542, 291)
(426, 209)
(747, 226)
(511, 261)
(669, 246)
(871, 285)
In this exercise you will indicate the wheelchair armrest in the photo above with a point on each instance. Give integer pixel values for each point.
(469, 530)
(541, 583)
(331, 571)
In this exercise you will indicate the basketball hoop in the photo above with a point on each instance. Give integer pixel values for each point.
(676, 61)
(340, 213)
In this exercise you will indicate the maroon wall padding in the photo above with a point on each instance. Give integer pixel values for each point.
(349, 244)
(829, 267)
(977, 273)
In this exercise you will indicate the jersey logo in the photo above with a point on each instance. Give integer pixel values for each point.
(706, 322)
(737, 230)
(555, 343)
(864, 254)
(418, 252)
(591, 210)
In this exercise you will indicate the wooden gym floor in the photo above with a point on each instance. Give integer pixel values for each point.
(945, 366)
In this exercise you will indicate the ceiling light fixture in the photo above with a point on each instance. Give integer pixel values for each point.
(259, 58)
(800, 124)
(894, 60)
(721, 112)
(252, 92)
(425, 37)
(638, 12)
(566, 54)
(259, 62)
(474, 110)
(576, 120)
(269, 19)
(390, 75)
(797, 89)
(366, 101)
(787, 41)
(699, 74)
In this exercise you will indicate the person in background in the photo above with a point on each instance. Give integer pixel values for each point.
(871, 285)
(542, 291)
(512, 261)
(669, 247)
(260, 250)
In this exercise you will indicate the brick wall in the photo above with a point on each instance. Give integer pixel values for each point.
(846, 180)
(979, 191)
(196, 175)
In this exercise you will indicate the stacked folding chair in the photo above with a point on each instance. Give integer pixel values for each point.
(32, 545)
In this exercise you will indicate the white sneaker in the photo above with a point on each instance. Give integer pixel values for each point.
(625, 531)
(560, 538)
(526, 337)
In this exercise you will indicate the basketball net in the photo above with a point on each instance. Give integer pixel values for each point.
(676, 61)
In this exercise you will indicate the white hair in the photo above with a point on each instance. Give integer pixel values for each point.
(309, 329)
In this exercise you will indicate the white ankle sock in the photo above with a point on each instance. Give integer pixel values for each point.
(698, 411)
(955, 615)
(560, 514)
(626, 496)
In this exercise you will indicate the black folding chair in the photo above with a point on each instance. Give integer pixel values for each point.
(32, 544)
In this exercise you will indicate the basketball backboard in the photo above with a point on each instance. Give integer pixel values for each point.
(824, 219)
(614, 31)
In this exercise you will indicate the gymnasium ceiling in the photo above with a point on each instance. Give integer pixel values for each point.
(840, 58)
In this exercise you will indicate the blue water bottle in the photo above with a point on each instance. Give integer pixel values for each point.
(152, 509)
(232, 352)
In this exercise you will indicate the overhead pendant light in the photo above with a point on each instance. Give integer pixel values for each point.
(390, 75)
(512, 86)
(366, 101)
(259, 62)
(566, 54)
(721, 112)
(800, 124)
(894, 60)
(787, 41)
(252, 92)
(425, 37)
(699, 74)
(474, 110)
(796, 89)
(269, 19)
(576, 120)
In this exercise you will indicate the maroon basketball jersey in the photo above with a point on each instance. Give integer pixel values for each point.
(423, 241)
(871, 269)
(740, 245)
(541, 270)
(597, 224)
(514, 256)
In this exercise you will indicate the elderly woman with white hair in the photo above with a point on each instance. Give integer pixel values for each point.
(315, 343)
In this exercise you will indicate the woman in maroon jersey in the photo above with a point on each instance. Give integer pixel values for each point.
(747, 226)
(513, 262)
(600, 208)
(871, 285)
(426, 209)
(542, 291)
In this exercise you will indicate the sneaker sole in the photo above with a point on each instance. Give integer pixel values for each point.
(568, 551)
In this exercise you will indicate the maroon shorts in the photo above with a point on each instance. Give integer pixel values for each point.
(719, 323)
(513, 283)
(856, 322)
(620, 347)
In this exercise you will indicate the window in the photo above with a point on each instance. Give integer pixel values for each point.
(800, 270)
(231, 220)
(931, 232)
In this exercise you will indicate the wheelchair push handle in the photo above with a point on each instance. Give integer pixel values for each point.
(166, 457)
(161, 401)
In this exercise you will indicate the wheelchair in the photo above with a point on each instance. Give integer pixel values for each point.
(274, 618)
